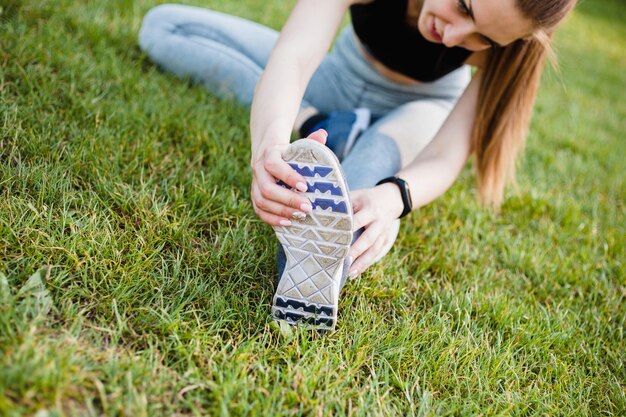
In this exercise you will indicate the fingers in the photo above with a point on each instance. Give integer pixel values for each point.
(272, 202)
(275, 213)
(362, 217)
(357, 205)
(366, 250)
(267, 189)
(371, 236)
(319, 135)
(276, 167)
(370, 245)
(275, 204)
(271, 219)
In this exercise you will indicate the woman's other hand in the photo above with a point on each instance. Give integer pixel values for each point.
(375, 209)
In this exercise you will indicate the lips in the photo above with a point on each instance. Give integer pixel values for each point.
(433, 31)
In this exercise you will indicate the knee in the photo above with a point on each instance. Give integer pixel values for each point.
(387, 147)
(380, 149)
(161, 13)
(154, 24)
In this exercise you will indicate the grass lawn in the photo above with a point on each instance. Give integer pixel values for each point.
(136, 280)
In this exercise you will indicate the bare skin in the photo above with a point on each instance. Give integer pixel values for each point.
(472, 24)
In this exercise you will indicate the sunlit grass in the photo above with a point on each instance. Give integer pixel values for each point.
(136, 280)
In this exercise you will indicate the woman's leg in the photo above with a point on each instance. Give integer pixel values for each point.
(393, 142)
(387, 146)
(225, 54)
(411, 115)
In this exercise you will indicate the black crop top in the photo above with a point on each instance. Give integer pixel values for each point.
(381, 26)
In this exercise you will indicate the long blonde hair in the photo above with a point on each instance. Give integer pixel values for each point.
(507, 94)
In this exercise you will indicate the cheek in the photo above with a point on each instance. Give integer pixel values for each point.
(446, 10)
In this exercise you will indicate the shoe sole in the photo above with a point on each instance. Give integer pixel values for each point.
(316, 247)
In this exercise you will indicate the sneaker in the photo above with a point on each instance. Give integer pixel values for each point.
(316, 248)
(343, 127)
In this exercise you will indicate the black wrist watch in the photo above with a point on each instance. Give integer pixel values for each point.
(404, 192)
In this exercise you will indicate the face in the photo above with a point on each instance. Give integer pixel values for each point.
(473, 24)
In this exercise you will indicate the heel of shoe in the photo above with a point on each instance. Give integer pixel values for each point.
(298, 312)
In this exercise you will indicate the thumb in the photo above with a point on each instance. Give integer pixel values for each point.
(319, 135)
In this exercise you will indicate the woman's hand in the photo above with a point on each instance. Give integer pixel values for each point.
(274, 204)
(375, 209)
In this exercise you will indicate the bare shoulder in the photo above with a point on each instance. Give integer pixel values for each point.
(478, 59)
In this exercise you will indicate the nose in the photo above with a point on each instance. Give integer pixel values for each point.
(454, 34)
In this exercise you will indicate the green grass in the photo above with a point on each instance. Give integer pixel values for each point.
(136, 280)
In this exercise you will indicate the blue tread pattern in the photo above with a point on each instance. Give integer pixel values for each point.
(325, 203)
(324, 187)
(308, 172)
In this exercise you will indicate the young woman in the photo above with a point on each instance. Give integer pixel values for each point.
(404, 61)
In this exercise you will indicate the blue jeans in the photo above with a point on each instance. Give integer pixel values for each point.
(227, 54)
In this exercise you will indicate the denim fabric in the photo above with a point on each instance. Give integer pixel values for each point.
(227, 54)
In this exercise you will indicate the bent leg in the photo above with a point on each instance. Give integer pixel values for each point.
(223, 53)
(393, 142)
(389, 145)
(386, 147)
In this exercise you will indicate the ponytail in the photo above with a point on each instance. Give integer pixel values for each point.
(505, 104)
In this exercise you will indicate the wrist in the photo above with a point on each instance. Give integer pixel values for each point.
(276, 133)
(259, 152)
(390, 195)
(402, 197)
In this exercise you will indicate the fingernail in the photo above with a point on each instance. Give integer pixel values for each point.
(285, 223)
(306, 207)
(301, 187)
(353, 274)
(298, 215)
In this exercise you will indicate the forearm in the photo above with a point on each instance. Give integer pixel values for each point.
(298, 52)
(431, 178)
(275, 104)
(301, 46)
(436, 168)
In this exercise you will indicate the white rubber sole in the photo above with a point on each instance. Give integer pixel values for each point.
(316, 247)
